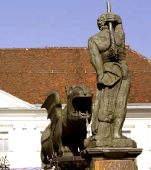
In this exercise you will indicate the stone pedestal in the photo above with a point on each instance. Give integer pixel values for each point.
(67, 163)
(111, 158)
(104, 138)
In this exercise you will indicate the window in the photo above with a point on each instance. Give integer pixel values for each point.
(4, 141)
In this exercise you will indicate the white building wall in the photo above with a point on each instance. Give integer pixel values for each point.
(24, 130)
(140, 132)
(24, 127)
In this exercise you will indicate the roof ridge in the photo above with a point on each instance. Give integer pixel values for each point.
(135, 52)
(27, 48)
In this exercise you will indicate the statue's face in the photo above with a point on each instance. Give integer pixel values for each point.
(101, 21)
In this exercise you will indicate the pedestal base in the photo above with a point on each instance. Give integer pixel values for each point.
(67, 163)
(102, 142)
(111, 158)
(114, 165)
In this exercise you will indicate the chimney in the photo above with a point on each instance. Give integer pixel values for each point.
(127, 46)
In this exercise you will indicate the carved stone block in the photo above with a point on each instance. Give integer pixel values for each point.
(111, 158)
(114, 165)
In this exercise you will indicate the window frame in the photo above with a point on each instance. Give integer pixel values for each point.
(3, 136)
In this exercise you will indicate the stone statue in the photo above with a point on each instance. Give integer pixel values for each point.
(108, 57)
(67, 129)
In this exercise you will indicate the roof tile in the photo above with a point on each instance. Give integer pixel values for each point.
(33, 74)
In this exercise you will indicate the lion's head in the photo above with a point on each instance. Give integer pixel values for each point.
(79, 104)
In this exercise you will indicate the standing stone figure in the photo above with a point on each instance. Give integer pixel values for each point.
(108, 57)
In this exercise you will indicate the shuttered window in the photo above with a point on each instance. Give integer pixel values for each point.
(4, 141)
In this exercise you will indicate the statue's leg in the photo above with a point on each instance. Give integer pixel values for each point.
(106, 112)
(57, 137)
(44, 157)
(95, 120)
(82, 136)
(108, 99)
(121, 108)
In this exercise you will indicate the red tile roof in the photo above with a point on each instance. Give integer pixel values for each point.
(32, 74)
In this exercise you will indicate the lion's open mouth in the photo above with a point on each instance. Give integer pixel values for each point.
(79, 113)
(81, 107)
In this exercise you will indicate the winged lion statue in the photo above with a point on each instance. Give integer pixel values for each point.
(67, 129)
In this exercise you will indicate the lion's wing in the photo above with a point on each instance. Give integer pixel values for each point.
(54, 108)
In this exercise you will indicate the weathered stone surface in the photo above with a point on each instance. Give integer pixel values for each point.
(111, 158)
(108, 57)
(67, 163)
(100, 142)
(114, 165)
(67, 130)
(111, 152)
(104, 138)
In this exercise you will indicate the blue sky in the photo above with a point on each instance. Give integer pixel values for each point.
(70, 23)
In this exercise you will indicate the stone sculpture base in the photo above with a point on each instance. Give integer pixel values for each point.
(104, 138)
(111, 158)
(90, 143)
(67, 163)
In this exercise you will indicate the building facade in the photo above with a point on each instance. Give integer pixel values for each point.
(28, 76)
